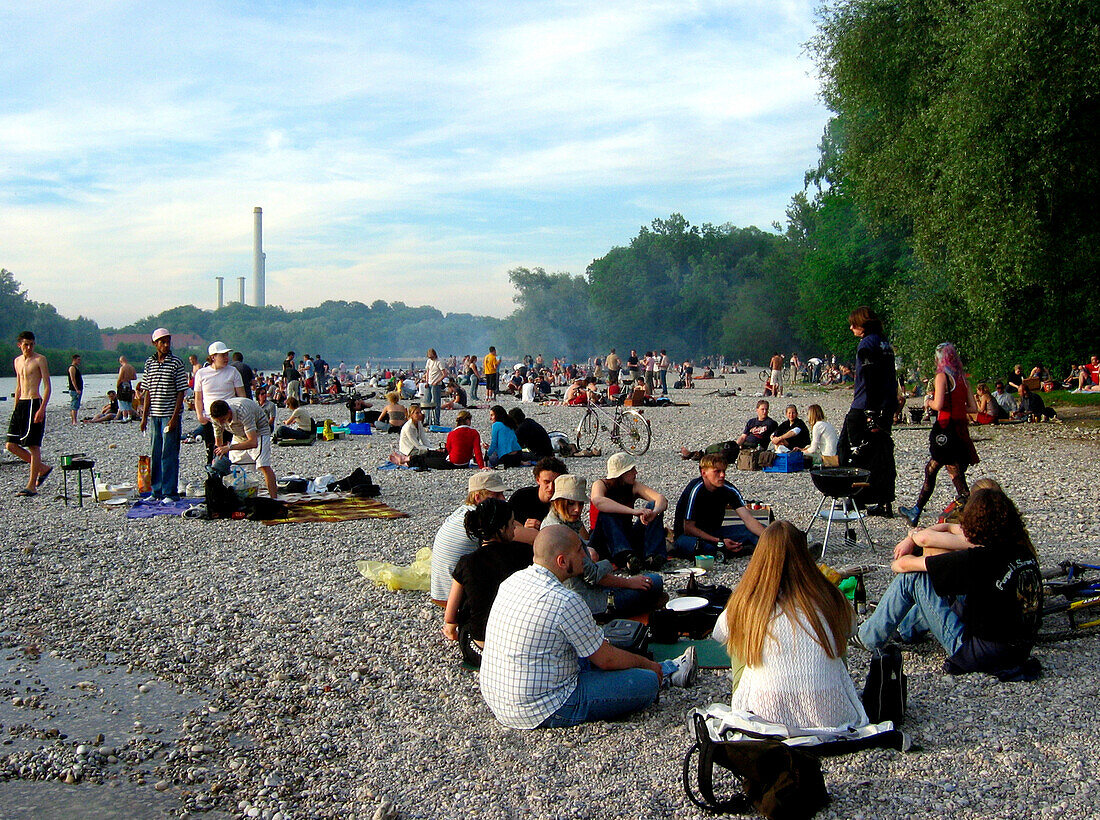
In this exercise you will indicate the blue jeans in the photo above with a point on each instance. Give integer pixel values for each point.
(912, 592)
(473, 381)
(603, 695)
(690, 545)
(664, 382)
(633, 601)
(618, 536)
(165, 457)
(435, 399)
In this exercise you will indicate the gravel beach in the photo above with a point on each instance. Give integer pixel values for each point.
(173, 665)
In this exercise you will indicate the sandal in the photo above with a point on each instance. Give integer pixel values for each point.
(27, 493)
(43, 476)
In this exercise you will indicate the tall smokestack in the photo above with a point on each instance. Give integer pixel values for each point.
(221, 291)
(240, 281)
(258, 258)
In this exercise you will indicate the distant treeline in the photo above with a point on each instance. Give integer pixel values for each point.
(955, 193)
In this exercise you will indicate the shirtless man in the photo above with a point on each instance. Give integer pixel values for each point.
(124, 387)
(776, 367)
(28, 421)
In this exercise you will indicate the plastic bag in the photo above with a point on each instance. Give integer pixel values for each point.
(417, 575)
(242, 483)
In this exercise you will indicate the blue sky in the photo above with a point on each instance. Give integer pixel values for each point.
(409, 151)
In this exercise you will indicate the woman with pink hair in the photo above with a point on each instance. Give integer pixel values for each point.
(949, 443)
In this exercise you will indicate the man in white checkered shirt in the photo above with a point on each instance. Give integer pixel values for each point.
(546, 663)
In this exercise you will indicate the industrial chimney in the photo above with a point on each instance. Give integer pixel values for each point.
(258, 258)
(221, 291)
(240, 281)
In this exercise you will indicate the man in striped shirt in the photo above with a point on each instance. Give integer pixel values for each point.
(165, 378)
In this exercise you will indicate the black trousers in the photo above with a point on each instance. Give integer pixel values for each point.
(865, 442)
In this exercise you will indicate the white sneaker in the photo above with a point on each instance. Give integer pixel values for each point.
(684, 676)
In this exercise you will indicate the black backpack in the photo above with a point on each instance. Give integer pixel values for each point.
(886, 690)
(779, 781)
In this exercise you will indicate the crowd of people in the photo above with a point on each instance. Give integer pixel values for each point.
(973, 585)
(525, 582)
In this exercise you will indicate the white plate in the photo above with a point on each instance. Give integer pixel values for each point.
(115, 502)
(687, 603)
(696, 571)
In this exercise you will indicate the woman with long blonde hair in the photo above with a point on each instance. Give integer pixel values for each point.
(786, 629)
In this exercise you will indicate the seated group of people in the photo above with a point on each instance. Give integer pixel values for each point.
(524, 585)
(486, 539)
(1026, 405)
(514, 440)
(814, 437)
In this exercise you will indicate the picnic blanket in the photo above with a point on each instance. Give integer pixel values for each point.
(151, 507)
(709, 654)
(340, 509)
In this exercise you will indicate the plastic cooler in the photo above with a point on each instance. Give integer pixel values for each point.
(786, 463)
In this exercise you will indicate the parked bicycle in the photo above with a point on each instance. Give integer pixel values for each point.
(627, 428)
(1071, 588)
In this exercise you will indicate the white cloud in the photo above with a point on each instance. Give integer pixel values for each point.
(398, 152)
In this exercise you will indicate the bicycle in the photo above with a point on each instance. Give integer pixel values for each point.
(627, 428)
(784, 376)
(1080, 598)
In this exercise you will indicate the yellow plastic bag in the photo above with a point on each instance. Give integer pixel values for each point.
(417, 575)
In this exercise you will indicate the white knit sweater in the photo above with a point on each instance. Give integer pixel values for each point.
(796, 682)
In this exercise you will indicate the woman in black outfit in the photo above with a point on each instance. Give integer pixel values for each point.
(865, 438)
(477, 576)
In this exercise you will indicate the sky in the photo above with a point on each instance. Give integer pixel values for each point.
(403, 151)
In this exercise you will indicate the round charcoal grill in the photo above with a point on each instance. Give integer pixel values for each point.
(838, 482)
(840, 485)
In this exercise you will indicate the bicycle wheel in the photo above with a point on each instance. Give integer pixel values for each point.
(633, 434)
(765, 375)
(588, 430)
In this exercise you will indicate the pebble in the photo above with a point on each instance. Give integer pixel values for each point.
(305, 677)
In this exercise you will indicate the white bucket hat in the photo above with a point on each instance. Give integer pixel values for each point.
(620, 463)
(570, 487)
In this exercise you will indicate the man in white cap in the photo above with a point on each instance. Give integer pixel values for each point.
(165, 379)
(215, 381)
(632, 537)
(451, 541)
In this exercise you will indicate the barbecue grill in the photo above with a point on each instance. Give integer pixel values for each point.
(840, 484)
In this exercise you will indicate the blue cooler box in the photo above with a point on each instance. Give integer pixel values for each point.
(786, 463)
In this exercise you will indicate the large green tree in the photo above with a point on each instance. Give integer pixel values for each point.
(977, 125)
(695, 290)
(551, 315)
(841, 261)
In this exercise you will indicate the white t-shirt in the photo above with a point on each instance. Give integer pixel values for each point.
(528, 392)
(217, 384)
